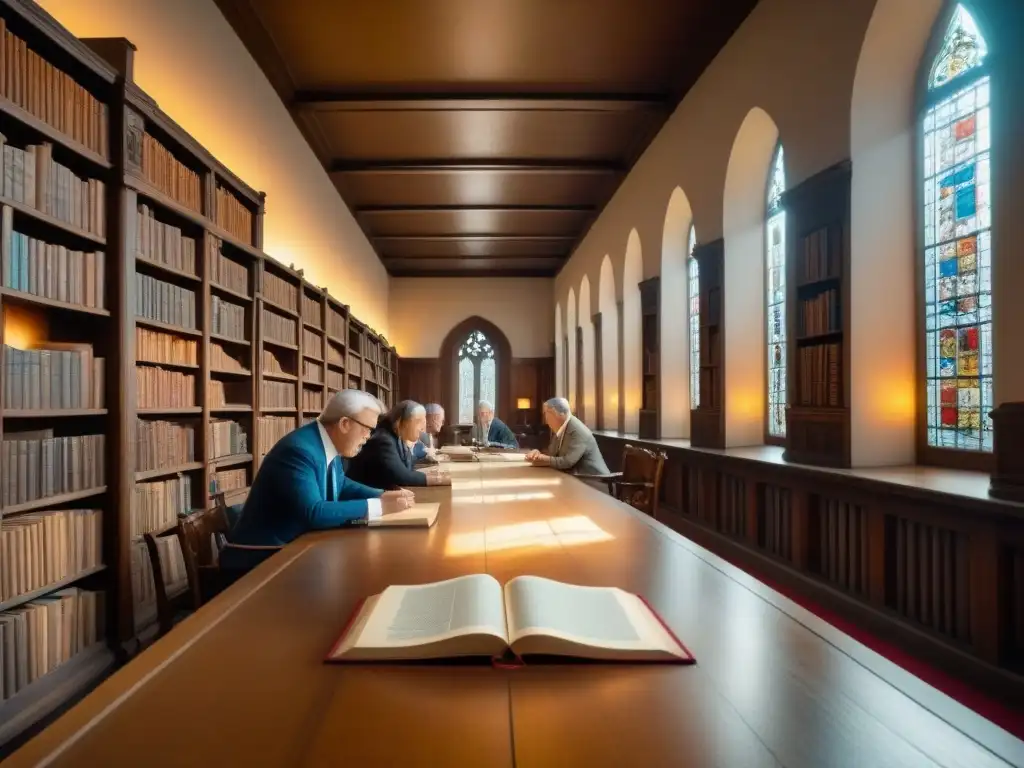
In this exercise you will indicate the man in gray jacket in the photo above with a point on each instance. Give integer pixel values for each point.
(573, 447)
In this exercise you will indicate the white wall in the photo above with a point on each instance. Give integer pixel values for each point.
(192, 63)
(424, 309)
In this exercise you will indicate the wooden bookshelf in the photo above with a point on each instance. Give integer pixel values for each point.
(818, 248)
(147, 307)
(650, 340)
(707, 421)
(59, 410)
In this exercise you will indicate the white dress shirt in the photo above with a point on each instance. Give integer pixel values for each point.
(373, 507)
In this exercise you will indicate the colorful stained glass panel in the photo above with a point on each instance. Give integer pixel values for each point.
(775, 287)
(693, 290)
(958, 265)
(963, 49)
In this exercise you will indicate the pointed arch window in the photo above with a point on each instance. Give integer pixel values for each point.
(693, 292)
(478, 375)
(956, 162)
(775, 299)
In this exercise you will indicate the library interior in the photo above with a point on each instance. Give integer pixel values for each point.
(533, 383)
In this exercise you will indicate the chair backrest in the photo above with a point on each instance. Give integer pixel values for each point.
(643, 467)
(199, 535)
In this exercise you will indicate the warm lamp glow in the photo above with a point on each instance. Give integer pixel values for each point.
(523, 403)
(896, 402)
(556, 532)
(24, 328)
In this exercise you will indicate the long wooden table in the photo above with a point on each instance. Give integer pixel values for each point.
(242, 682)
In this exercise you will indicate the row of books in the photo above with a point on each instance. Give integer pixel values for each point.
(335, 354)
(335, 323)
(157, 347)
(175, 579)
(820, 314)
(818, 261)
(56, 376)
(270, 429)
(164, 302)
(225, 360)
(36, 465)
(278, 328)
(312, 372)
(32, 177)
(277, 394)
(169, 175)
(312, 311)
(45, 548)
(163, 388)
(160, 443)
(41, 89)
(226, 438)
(311, 344)
(233, 216)
(271, 362)
(818, 383)
(224, 393)
(164, 243)
(280, 292)
(227, 319)
(156, 505)
(335, 380)
(38, 637)
(225, 271)
(52, 271)
(312, 399)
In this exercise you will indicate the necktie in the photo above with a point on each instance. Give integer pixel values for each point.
(332, 481)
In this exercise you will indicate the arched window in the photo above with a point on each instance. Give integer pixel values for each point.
(693, 290)
(775, 300)
(957, 241)
(478, 375)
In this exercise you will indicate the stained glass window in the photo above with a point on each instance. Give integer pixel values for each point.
(478, 375)
(957, 242)
(775, 299)
(693, 290)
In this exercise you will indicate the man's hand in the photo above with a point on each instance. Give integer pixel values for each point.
(438, 476)
(396, 501)
(539, 459)
(532, 454)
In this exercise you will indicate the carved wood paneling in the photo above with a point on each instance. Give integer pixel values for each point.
(775, 522)
(732, 517)
(841, 530)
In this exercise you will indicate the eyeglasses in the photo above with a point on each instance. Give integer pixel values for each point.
(364, 426)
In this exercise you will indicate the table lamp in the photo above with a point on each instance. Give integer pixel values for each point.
(523, 404)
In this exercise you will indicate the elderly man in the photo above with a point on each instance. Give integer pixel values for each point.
(302, 487)
(490, 431)
(573, 447)
(424, 450)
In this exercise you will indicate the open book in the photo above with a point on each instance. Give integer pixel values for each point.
(476, 616)
(458, 452)
(417, 516)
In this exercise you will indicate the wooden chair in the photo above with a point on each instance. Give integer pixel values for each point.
(171, 607)
(639, 482)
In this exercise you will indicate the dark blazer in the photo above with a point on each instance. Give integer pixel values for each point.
(385, 461)
(499, 434)
(289, 498)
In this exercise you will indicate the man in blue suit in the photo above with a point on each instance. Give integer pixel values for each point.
(302, 487)
(490, 431)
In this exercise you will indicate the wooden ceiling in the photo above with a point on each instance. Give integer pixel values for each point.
(480, 137)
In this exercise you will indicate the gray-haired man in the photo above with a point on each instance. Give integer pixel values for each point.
(573, 447)
(425, 449)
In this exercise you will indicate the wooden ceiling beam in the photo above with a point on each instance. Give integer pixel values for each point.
(485, 237)
(488, 166)
(318, 101)
(487, 208)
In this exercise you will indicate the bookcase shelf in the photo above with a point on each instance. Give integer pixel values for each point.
(164, 310)
(707, 421)
(650, 338)
(818, 247)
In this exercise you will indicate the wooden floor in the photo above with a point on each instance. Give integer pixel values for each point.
(242, 681)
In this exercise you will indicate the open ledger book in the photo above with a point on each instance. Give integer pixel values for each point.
(476, 616)
(417, 516)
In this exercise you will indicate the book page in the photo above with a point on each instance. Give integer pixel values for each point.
(593, 617)
(406, 616)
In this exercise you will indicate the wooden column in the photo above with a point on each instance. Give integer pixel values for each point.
(650, 342)
(1007, 480)
(817, 319)
(707, 421)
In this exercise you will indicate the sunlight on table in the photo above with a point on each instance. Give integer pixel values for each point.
(555, 532)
